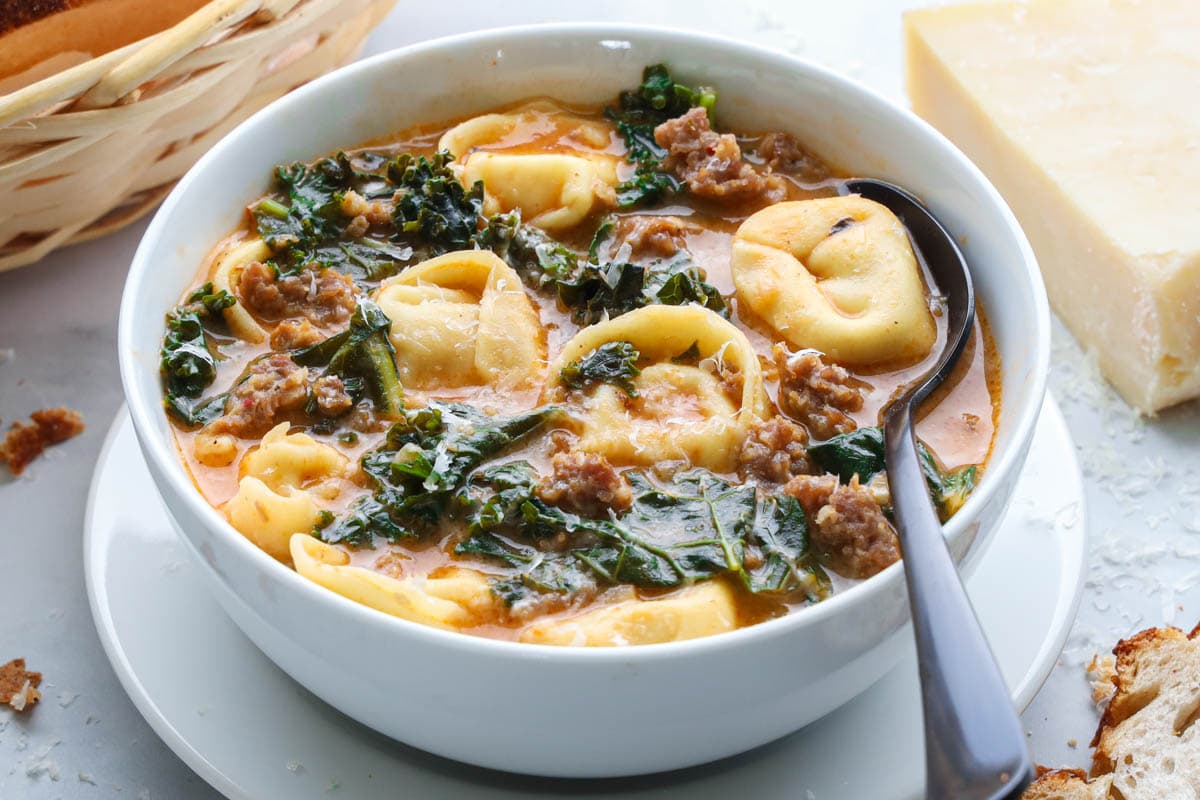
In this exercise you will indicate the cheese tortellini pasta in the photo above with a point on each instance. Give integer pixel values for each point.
(458, 598)
(555, 187)
(225, 275)
(838, 275)
(682, 411)
(696, 611)
(281, 482)
(463, 319)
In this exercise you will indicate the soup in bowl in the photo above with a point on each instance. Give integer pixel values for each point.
(549, 367)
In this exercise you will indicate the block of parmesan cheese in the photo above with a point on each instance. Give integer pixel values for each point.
(1085, 114)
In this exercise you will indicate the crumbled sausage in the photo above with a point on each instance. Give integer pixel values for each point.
(812, 491)
(782, 153)
(295, 333)
(821, 396)
(275, 388)
(733, 381)
(848, 531)
(23, 443)
(711, 163)
(332, 398)
(364, 420)
(652, 236)
(364, 213)
(775, 450)
(325, 297)
(585, 483)
(19, 686)
(278, 389)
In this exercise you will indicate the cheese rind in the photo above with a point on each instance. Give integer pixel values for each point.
(1078, 112)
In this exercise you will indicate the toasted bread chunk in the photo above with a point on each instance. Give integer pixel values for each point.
(1147, 746)
(1147, 740)
(1059, 784)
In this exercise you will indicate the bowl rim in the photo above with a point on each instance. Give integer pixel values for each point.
(162, 456)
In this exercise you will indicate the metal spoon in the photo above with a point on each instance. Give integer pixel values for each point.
(974, 746)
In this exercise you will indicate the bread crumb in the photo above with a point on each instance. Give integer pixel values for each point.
(1072, 743)
(18, 686)
(25, 442)
(1102, 674)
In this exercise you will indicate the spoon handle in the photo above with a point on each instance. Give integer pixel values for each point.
(974, 746)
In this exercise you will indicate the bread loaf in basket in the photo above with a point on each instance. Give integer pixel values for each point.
(104, 104)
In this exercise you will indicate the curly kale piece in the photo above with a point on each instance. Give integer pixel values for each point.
(592, 287)
(363, 356)
(422, 467)
(433, 205)
(304, 224)
(188, 363)
(692, 528)
(313, 194)
(611, 362)
(658, 99)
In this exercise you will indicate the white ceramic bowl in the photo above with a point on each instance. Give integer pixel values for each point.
(564, 711)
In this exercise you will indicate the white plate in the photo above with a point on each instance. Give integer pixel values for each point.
(251, 732)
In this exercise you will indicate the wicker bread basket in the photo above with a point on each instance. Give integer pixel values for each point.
(93, 147)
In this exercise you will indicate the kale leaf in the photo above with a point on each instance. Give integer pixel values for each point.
(781, 532)
(314, 195)
(949, 489)
(423, 465)
(361, 353)
(593, 288)
(307, 229)
(539, 260)
(860, 452)
(658, 99)
(691, 528)
(433, 205)
(611, 362)
(188, 364)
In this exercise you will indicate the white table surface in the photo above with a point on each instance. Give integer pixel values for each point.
(58, 347)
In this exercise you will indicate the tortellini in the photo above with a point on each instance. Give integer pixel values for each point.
(280, 484)
(555, 188)
(682, 411)
(463, 319)
(696, 611)
(225, 276)
(459, 598)
(838, 275)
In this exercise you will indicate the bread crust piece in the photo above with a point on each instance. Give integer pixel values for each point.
(1147, 746)
(1066, 784)
(1058, 784)
(72, 31)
